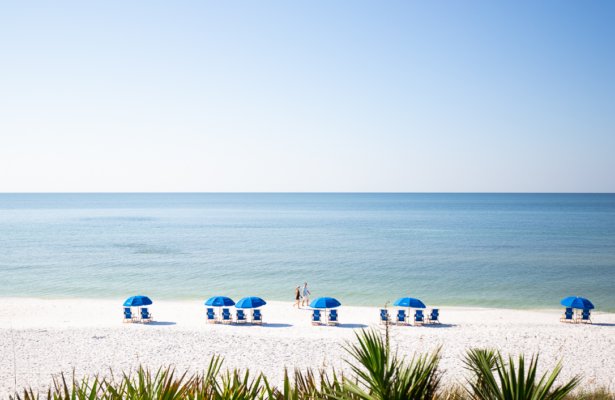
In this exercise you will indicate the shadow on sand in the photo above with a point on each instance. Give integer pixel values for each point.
(352, 326)
(266, 325)
(439, 325)
(161, 323)
(601, 324)
(263, 325)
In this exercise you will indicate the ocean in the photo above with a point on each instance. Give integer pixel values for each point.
(492, 250)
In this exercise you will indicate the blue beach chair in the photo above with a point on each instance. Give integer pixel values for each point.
(226, 316)
(257, 317)
(384, 317)
(433, 317)
(585, 317)
(568, 315)
(128, 314)
(419, 318)
(241, 317)
(333, 318)
(211, 316)
(401, 317)
(316, 317)
(145, 315)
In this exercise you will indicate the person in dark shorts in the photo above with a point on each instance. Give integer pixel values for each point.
(297, 297)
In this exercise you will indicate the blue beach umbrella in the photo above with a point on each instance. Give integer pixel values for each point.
(325, 302)
(250, 302)
(577, 302)
(138, 301)
(409, 302)
(219, 301)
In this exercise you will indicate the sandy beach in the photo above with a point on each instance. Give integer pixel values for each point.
(41, 338)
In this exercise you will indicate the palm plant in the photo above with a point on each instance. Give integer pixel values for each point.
(161, 385)
(494, 379)
(305, 385)
(381, 374)
(478, 361)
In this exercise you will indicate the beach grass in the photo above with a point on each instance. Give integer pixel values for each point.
(378, 373)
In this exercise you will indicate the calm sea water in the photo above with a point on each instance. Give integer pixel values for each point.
(502, 250)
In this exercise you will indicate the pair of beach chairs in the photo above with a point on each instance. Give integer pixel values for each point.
(402, 319)
(144, 317)
(331, 320)
(240, 317)
(583, 318)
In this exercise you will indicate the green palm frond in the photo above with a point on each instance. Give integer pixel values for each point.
(382, 375)
(495, 379)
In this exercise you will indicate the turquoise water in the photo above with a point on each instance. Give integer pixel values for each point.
(501, 250)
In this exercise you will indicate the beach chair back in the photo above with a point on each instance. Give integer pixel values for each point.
(257, 317)
(434, 316)
(127, 314)
(568, 315)
(145, 315)
(226, 315)
(241, 316)
(316, 317)
(384, 316)
(419, 318)
(585, 316)
(401, 316)
(333, 317)
(211, 315)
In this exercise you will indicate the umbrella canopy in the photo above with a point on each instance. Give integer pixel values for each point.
(325, 302)
(250, 302)
(137, 301)
(577, 302)
(219, 301)
(410, 302)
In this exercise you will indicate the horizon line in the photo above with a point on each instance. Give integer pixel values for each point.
(301, 192)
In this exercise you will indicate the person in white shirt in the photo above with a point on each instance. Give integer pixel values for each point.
(305, 295)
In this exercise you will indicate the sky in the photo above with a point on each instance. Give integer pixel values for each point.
(285, 96)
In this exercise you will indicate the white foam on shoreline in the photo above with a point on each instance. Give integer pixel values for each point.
(42, 337)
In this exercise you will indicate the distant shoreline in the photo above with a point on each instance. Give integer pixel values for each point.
(193, 301)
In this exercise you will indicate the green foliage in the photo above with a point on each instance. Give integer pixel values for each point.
(599, 394)
(378, 374)
(305, 385)
(494, 379)
(382, 375)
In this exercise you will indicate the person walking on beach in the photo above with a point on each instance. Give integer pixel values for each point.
(305, 295)
(297, 297)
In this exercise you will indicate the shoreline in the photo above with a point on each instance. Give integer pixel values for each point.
(201, 301)
(87, 336)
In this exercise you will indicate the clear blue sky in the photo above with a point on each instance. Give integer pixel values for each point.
(307, 96)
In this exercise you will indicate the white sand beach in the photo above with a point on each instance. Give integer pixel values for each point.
(40, 338)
